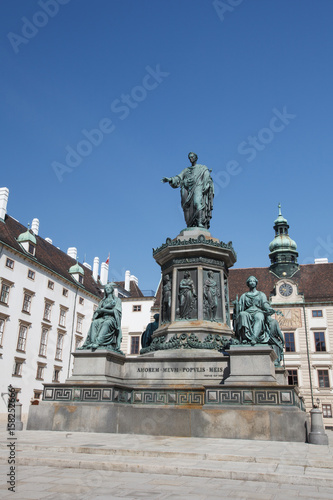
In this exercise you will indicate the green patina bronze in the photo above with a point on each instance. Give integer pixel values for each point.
(166, 299)
(197, 193)
(201, 240)
(105, 328)
(187, 298)
(190, 341)
(253, 323)
(146, 338)
(211, 293)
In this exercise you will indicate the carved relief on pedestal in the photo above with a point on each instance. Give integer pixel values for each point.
(212, 310)
(187, 305)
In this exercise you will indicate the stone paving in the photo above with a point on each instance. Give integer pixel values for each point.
(59, 465)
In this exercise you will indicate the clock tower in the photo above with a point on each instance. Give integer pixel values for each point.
(283, 254)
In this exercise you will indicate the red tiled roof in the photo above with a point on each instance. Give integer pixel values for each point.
(47, 255)
(314, 281)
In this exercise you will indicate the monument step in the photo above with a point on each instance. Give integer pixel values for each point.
(316, 463)
(310, 472)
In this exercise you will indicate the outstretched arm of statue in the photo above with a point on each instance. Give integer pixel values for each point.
(174, 182)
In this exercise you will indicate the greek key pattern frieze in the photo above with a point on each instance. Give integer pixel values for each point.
(266, 397)
(125, 396)
(173, 398)
(211, 396)
(91, 394)
(63, 394)
(252, 396)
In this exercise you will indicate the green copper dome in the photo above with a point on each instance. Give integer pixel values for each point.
(27, 236)
(283, 250)
(76, 269)
(282, 242)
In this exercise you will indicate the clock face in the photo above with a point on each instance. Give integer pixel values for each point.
(286, 289)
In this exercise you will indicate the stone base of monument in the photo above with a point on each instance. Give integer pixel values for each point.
(251, 364)
(182, 392)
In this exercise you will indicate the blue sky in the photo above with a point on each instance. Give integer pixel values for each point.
(247, 85)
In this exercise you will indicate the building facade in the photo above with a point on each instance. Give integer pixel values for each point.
(47, 300)
(46, 305)
(304, 296)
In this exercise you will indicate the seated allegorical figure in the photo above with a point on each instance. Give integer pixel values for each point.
(105, 328)
(146, 338)
(252, 320)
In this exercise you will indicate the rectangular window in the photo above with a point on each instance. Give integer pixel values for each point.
(136, 308)
(31, 249)
(81, 301)
(289, 339)
(319, 338)
(31, 274)
(60, 341)
(26, 303)
(78, 341)
(17, 369)
(56, 373)
(50, 285)
(79, 323)
(4, 293)
(2, 329)
(292, 377)
(22, 338)
(135, 344)
(43, 342)
(317, 314)
(47, 311)
(62, 318)
(80, 279)
(10, 263)
(65, 292)
(327, 410)
(37, 394)
(323, 378)
(40, 372)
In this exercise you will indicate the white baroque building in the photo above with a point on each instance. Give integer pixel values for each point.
(47, 300)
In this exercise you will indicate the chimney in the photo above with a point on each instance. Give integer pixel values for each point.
(49, 240)
(35, 226)
(4, 193)
(134, 278)
(324, 260)
(104, 273)
(72, 252)
(95, 268)
(85, 264)
(127, 280)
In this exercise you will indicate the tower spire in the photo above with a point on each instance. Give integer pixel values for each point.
(283, 254)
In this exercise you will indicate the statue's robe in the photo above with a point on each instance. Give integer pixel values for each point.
(197, 193)
(105, 329)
